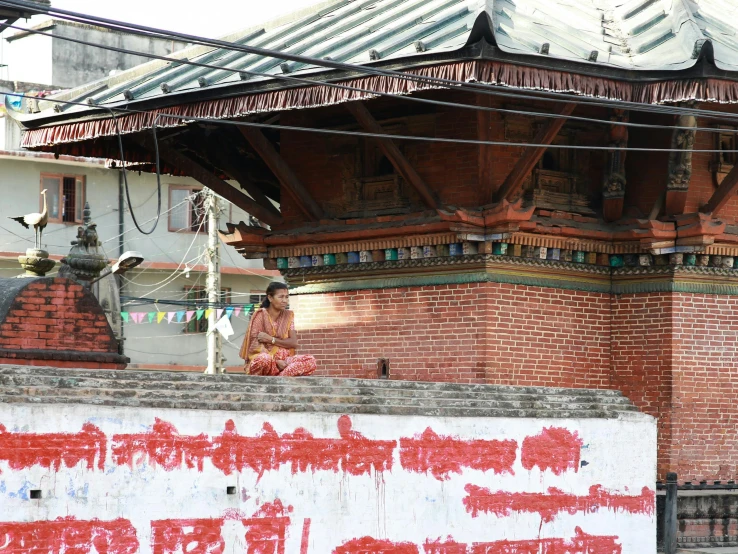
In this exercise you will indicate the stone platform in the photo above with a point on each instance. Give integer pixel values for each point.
(162, 389)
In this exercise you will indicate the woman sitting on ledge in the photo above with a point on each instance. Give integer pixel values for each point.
(270, 343)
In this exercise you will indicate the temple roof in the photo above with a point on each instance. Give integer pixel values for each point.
(619, 38)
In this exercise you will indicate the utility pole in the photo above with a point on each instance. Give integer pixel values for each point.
(215, 344)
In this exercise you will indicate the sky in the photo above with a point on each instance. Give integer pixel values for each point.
(211, 18)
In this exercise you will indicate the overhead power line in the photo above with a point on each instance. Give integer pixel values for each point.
(402, 97)
(362, 69)
(319, 130)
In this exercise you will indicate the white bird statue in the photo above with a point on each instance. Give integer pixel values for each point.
(38, 221)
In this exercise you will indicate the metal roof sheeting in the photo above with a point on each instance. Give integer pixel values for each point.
(633, 35)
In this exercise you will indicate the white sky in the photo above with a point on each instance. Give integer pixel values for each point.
(210, 18)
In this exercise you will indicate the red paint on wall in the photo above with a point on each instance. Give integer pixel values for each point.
(368, 545)
(448, 546)
(581, 543)
(353, 453)
(555, 501)
(304, 543)
(266, 530)
(194, 536)
(70, 536)
(162, 446)
(441, 455)
(554, 448)
(50, 450)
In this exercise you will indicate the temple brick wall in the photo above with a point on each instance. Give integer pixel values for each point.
(705, 414)
(671, 353)
(471, 333)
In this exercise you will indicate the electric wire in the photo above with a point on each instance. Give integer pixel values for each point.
(403, 97)
(331, 64)
(363, 134)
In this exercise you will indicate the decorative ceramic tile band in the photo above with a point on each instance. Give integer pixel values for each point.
(358, 246)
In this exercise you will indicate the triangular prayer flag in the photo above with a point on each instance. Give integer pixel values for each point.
(208, 312)
(229, 311)
(136, 316)
(224, 327)
(170, 316)
(124, 316)
(199, 314)
(180, 315)
(151, 315)
(189, 314)
(237, 311)
(218, 313)
(159, 316)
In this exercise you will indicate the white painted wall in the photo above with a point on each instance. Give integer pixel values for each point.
(146, 345)
(398, 505)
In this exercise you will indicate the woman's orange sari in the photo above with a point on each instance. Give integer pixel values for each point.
(261, 322)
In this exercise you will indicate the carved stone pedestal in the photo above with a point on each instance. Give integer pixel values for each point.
(36, 262)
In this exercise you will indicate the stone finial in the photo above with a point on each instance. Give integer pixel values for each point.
(36, 262)
(84, 261)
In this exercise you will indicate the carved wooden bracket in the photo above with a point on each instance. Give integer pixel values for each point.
(680, 165)
(613, 185)
(283, 172)
(393, 153)
(532, 154)
(190, 167)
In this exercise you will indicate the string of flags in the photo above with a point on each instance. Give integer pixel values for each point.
(185, 316)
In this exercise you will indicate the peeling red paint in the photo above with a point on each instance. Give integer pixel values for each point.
(266, 530)
(194, 536)
(163, 446)
(368, 545)
(554, 448)
(448, 546)
(304, 543)
(50, 450)
(581, 543)
(353, 453)
(441, 455)
(70, 536)
(555, 501)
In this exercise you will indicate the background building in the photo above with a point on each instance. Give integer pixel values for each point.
(175, 253)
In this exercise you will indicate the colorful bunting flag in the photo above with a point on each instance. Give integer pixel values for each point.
(185, 316)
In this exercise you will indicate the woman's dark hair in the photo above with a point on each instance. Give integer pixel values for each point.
(272, 289)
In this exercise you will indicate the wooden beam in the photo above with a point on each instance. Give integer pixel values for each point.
(218, 152)
(177, 159)
(393, 153)
(283, 172)
(725, 192)
(531, 154)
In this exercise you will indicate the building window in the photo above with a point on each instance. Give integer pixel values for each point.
(65, 197)
(187, 209)
(197, 299)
